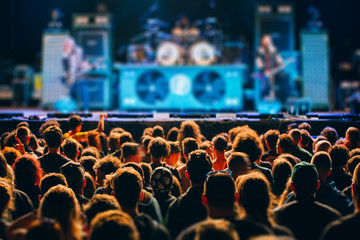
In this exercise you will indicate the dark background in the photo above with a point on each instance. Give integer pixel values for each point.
(23, 21)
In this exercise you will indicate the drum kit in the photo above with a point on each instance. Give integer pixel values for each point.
(199, 44)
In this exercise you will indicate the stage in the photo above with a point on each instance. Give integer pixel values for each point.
(210, 123)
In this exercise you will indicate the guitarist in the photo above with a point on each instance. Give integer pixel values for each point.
(267, 60)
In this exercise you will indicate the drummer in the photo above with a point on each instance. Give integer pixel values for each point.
(183, 32)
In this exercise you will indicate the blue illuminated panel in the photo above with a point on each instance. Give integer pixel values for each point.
(181, 88)
(315, 65)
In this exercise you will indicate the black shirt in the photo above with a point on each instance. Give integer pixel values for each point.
(341, 178)
(344, 228)
(186, 210)
(302, 154)
(245, 229)
(51, 163)
(306, 218)
(150, 229)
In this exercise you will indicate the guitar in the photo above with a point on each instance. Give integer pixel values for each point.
(269, 77)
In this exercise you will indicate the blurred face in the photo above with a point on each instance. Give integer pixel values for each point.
(266, 41)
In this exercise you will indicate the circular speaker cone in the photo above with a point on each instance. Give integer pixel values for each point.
(209, 87)
(152, 87)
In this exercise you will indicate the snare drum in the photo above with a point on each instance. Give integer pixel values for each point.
(169, 53)
(202, 53)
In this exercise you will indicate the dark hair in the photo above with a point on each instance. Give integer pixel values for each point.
(352, 163)
(254, 194)
(53, 136)
(74, 121)
(219, 190)
(113, 223)
(189, 145)
(88, 162)
(50, 180)
(286, 143)
(3, 138)
(281, 171)
(290, 158)
(74, 174)
(70, 148)
(237, 160)
(33, 142)
(125, 137)
(27, 171)
(45, 228)
(305, 126)
(339, 155)
(113, 140)
(249, 143)
(175, 147)
(159, 147)
(198, 166)
(220, 143)
(104, 143)
(127, 185)
(295, 134)
(322, 160)
(10, 155)
(98, 204)
(128, 149)
(22, 124)
(158, 131)
(331, 134)
(108, 164)
(47, 124)
(135, 166)
(189, 128)
(91, 151)
(22, 133)
(147, 172)
(272, 137)
(172, 135)
(117, 130)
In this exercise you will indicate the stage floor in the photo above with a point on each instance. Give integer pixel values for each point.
(210, 123)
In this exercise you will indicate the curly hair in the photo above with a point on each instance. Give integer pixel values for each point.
(189, 129)
(158, 147)
(249, 143)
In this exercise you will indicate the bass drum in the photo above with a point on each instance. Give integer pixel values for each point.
(169, 54)
(202, 53)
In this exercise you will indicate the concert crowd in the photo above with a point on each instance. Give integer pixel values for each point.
(177, 184)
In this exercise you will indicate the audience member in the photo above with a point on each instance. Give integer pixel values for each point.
(331, 135)
(219, 198)
(127, 186)
(188, 209)
(340, 155)
(271, 137)
(162, 182)
(113, 224)
(53, 160)
(301, 153)
(347, 227)
(305, 217)
(249, 142)
(239, 164)
(220, 146)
